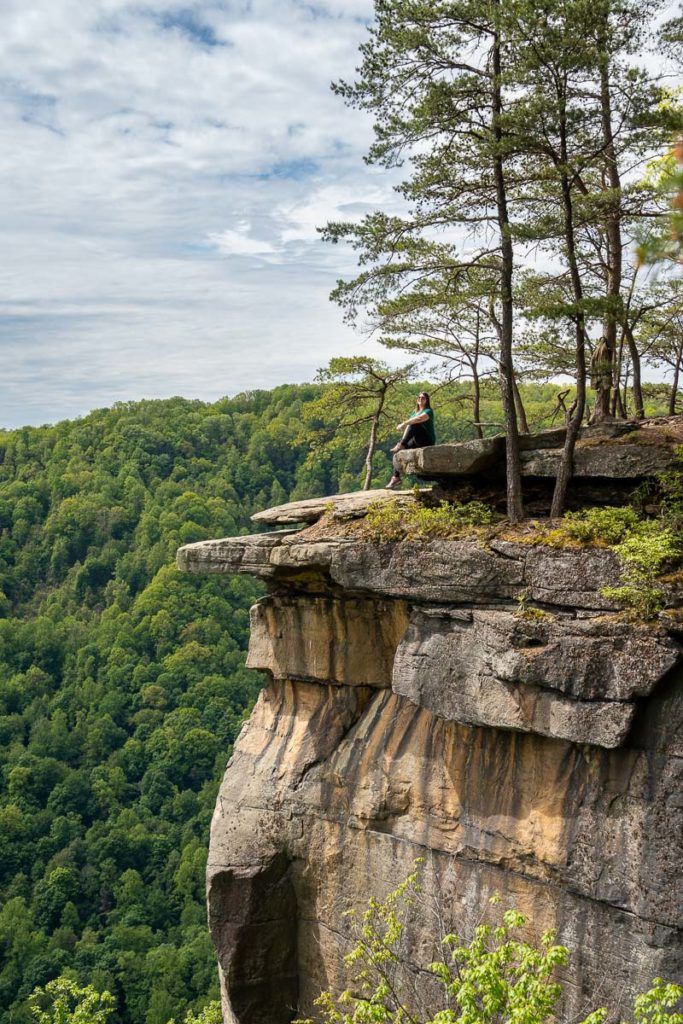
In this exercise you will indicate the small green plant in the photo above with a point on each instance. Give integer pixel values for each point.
(644, 547)
(608, 525)
(393, 521)
(62, 1001)
(496, 978)
(526, 611)
(643, 555)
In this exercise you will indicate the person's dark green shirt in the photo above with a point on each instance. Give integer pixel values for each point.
(428, 424)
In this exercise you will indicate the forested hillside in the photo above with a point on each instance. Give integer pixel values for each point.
(122, 681)
(122, 686)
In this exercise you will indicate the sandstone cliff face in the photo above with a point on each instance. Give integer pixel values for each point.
(411, 711)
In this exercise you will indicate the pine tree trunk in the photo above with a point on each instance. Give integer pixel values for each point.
(476, 404)
(513, 468)
(566, 466)
(637, 386)
(674, 383)
(614, 244)
(616, 381)
(372, 443)
(519, 408)
(476, 384)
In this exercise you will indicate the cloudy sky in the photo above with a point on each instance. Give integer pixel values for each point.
(164, 168)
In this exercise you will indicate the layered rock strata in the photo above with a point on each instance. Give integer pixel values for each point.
(414, 708)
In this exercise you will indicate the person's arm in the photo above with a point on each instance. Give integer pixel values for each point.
(417, 417)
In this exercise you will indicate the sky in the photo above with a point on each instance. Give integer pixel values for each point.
(164, 168)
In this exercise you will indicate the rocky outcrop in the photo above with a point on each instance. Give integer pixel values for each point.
(620, 451)
(478, 703)
(461, 571)
(575, 680)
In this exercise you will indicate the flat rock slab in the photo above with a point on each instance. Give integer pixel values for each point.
(428, 570)
(250, 554)
(462, 570)
(623, 461)
(615, 451)
(470, 458)
(553, 438)
(310, 510)
(464, 458)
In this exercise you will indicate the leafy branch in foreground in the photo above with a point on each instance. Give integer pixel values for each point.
(496, 978)
(62, 1001)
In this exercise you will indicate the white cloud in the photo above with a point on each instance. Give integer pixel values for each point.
(239, 242)
(302, 219)
(164, 167)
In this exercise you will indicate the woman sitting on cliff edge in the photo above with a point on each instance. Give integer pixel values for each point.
(418, 432)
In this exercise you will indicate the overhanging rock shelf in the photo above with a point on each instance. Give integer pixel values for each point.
(411, 710)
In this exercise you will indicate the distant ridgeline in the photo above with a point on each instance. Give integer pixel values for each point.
(122, 681)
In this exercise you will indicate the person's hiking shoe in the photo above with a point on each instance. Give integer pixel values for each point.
(393, 484)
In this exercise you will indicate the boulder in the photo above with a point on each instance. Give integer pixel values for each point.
(463, 458)
(553, 438)
(470, 458)
(610, 461)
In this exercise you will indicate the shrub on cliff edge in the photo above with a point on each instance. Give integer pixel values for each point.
(390, 521)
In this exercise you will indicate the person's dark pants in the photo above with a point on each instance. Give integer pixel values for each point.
(415, 436)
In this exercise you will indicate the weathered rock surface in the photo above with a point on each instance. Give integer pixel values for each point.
(618, 451)
(342, 506)
(461, 571)
(464, 458)
(470, 458)
(348, 641)
(413, 708)
(555, 676)
(613, 461)
(328, 799)
(250, 554)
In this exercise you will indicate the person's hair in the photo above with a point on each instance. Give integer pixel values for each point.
(423, 394)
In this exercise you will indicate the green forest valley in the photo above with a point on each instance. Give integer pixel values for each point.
(122, 681)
